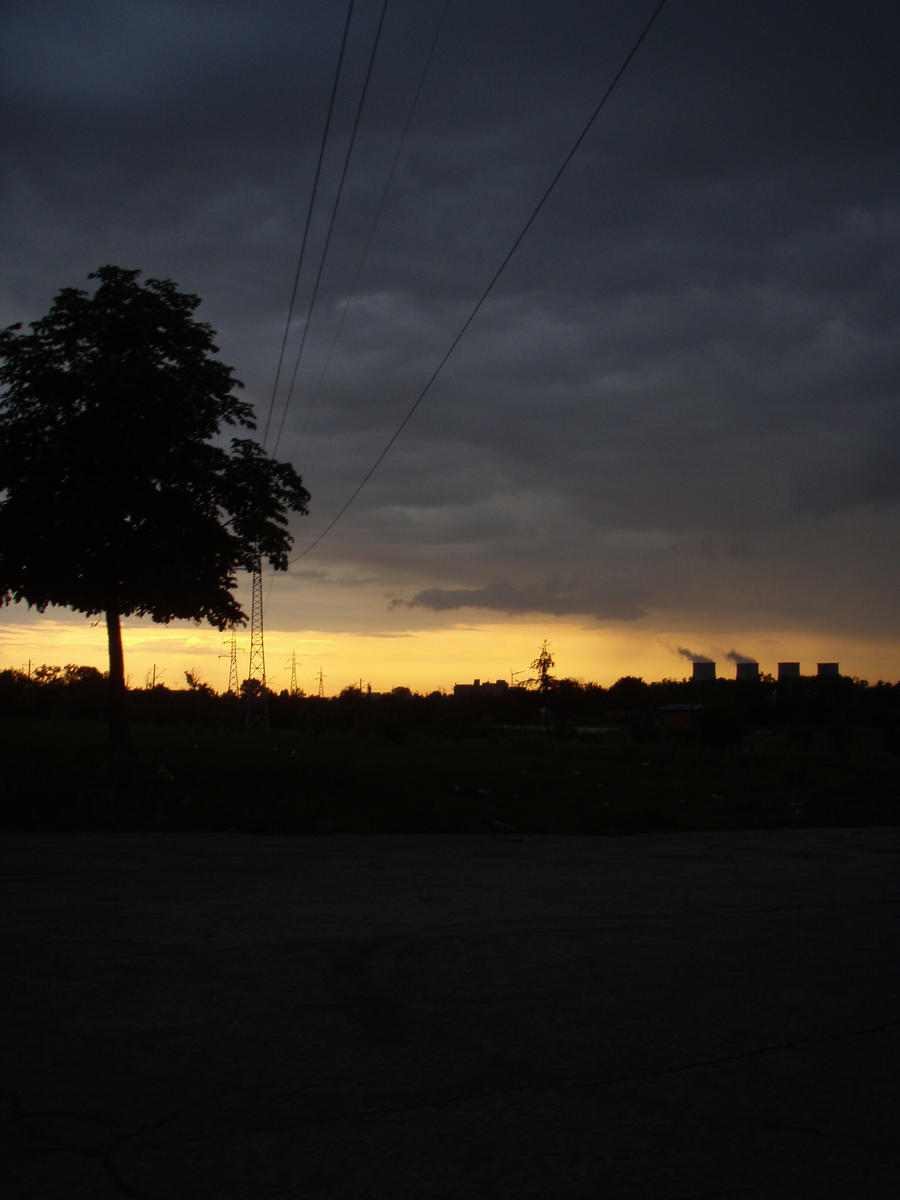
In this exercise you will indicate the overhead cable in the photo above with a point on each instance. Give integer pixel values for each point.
(374, 225)
(334, 211)
(309, 212)
(487, 291)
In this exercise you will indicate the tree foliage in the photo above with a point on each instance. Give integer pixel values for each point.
(116, 494)
(542, 666)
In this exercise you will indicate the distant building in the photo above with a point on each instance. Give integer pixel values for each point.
(788, 670)
(466, 689)
(498, 688)
(747, 672)
(828, 670)
(703, 671)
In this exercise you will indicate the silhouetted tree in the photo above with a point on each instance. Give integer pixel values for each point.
(116, 497)
(630, 691)
(252, 689)
(197, 685)
(543, 665)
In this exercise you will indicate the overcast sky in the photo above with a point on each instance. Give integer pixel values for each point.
(678, 407)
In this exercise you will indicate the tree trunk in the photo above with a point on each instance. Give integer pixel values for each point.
(116, 714)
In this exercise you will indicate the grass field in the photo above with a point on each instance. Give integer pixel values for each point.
(62, 775)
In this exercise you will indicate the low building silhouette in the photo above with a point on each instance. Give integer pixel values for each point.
(476, 688)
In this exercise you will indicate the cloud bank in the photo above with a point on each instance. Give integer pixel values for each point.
(679, 403)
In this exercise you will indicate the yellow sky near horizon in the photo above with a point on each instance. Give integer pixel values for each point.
(430, 659)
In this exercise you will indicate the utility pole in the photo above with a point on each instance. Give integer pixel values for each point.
(151, 677)
(257, 716)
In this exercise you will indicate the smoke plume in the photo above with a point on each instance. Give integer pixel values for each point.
(692, 656)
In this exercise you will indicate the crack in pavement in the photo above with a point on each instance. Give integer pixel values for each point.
(561, 1086)
(100, 1154)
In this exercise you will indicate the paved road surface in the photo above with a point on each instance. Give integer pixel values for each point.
(672, 1017)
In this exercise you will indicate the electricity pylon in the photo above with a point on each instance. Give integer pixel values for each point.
(257, 646)
(234, 686)
(257, 716)
(321, 685)
(294, 689)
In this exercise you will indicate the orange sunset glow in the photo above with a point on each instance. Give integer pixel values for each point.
(428, 659)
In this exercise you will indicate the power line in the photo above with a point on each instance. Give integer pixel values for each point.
(258, 713)
(312, 200)
(487, 291)
(374, 225)
(334, 211)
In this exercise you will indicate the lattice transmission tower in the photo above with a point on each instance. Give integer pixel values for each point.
(321, 684)
(234, 685)
(257, 698)
(294, 689)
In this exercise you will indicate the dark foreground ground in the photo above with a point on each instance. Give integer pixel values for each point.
(62, 776)
(657, 1016)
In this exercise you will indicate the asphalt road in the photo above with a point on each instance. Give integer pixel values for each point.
(683, 1016)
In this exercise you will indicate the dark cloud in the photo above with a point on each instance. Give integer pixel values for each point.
(503, 597)
(681, 396)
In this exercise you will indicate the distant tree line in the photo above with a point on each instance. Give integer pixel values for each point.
(719, 711)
